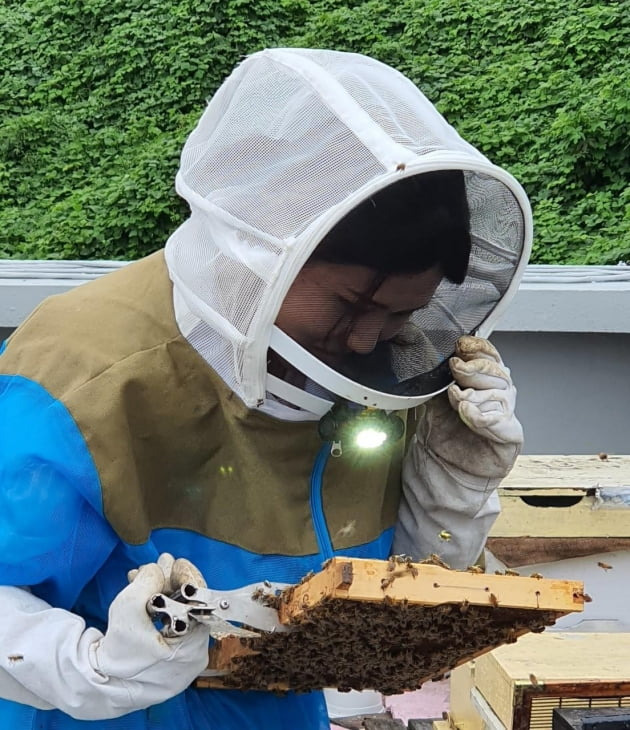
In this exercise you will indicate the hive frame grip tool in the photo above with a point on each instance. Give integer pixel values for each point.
(177, 614)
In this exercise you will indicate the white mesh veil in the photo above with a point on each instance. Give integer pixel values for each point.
(291, 142)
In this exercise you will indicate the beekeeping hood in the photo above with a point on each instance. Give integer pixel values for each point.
(291, 142)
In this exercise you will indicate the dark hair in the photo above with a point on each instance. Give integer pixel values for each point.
(413, 225)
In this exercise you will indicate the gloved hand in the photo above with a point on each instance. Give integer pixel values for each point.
(94, 676)
(483, 393)
(465, 443)
(176, 573)
(133, 650)
(473, 431)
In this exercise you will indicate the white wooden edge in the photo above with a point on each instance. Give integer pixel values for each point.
(486, 713)
(568, 471)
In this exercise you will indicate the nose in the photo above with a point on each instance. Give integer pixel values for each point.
(366, 331)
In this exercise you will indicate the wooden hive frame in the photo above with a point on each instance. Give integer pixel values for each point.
(388, 625)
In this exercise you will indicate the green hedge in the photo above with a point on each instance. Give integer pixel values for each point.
(98, 96)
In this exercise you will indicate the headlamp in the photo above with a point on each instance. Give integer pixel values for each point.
(363, 428)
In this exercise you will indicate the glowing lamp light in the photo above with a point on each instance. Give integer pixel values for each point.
(364, 428)
(370, 438)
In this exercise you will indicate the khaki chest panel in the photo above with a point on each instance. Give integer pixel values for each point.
(173, 446)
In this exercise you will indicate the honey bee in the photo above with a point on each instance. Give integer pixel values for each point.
(409, 568)
(494, 600)
(536, 575)
(605, 566)
(511, 636)
(444, 535)
(464, 606)
(405, 560)
(346, 530)
(258, 594)
(400, 167)
(584, 596)
(475, 569)
(533, 679)
(509, 571)
(13, 658)
(434, 559)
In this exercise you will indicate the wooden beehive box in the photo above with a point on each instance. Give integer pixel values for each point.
(559, 507)
(517, 687)
(388, 626)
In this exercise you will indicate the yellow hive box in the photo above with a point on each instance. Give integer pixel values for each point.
(517, 687)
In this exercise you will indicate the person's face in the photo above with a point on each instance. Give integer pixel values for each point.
(332, 310)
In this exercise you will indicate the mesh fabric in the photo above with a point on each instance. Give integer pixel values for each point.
(291, 142)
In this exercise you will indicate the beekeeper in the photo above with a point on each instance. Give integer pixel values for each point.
(243, 399)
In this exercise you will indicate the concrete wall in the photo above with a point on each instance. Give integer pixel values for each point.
(573, 390)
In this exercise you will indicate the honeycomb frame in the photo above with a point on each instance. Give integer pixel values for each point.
(387, 625)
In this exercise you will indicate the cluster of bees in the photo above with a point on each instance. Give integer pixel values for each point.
(391, 646)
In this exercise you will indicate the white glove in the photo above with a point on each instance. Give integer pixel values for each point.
(88, 675)
(464, 445)
(133, 650)
(176, 573)
(483, 393)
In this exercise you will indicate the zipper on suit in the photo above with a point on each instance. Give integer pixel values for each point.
(317, 506)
